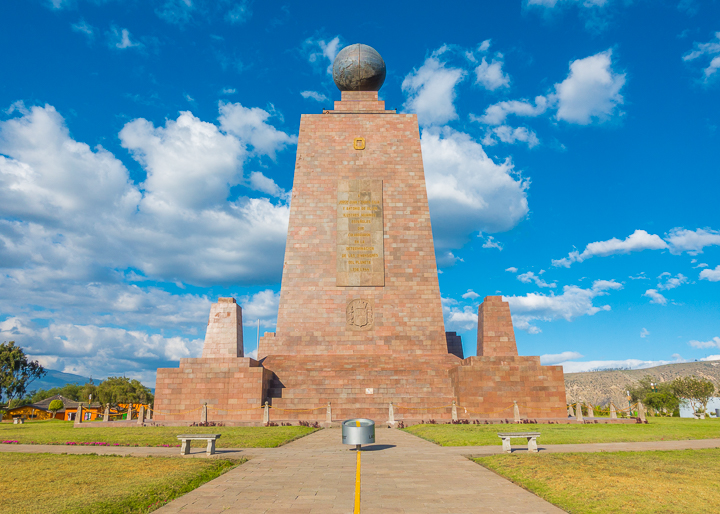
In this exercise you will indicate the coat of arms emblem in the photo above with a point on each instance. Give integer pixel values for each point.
(359, 315)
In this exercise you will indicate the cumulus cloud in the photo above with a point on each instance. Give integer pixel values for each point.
(457, 318)
(84, 28)
(555, 358)
(578, 367)
(667, 281)
(644, 333)
(655, 297)
(260, 182)
(178, 12)
(497, 113)
(120, 38)
(591, 92)
(251, 125)
(470, 295)
(636, 242)
(709, 54)
(572, 303)
(527, 278)
(430, 90)
(510, 135)
(320, 50)
(261, 306)
(314, 95)
(512, 269)
(239, 13)
(491, 243)
(713, 275)
(491, 75)
(692, 241)
(468, 192)
(712, 343)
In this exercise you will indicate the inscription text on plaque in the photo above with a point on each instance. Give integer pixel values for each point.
(360, 260)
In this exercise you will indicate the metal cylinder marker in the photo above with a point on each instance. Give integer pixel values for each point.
(358, 432)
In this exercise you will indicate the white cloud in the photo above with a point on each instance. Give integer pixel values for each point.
(228, 91)
(529, 277)
(485, 45)
(510, 135)
(692, 241)
(470, 295)
(497, 113)
(491, 243)
(708, 52)
(459, 319)
(713, 343)
(636, 242)
(655, 297)
(261, 306)
(468, 192)
(641, 276)
(250, 124)
(83, 27)
(491, 76)
(319, 50)
(120, 38)
(670, 281)
(512, 269)
(572, 303)
(430, 91)
(178, 12)
(578, 367)
(260, 182)
(314, 95)
(556, 358)
(554, 3)
(644, 333)
(591, 92)
(239, 13)
(713, 275)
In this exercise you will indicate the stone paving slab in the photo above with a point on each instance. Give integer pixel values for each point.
(400, 474)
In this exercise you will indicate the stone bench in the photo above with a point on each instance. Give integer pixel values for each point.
(531, 438)
(187, 438)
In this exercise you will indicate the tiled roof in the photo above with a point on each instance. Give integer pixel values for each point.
(67, 403)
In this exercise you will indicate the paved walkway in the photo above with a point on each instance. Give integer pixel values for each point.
(400, 473)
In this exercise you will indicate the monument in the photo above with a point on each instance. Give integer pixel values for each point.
(360, 322)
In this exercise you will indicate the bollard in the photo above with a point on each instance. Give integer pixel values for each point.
(266, 413)
(203, 413)
(641, 411)
(454, 411)
(578, 411)
(516, 412)
(141, 415)
(106, 414)
(391, 414)
(130, 412)
(591, 414)
(613, 413)
(328, 414)
(571, 412)
(79, 414)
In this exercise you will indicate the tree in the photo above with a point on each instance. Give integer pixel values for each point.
(662, 401)
(114, 390)
(55, 406)
(16, 371)
(693, 390)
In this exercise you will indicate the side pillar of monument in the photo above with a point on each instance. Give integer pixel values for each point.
(497, 377)
(232, 385)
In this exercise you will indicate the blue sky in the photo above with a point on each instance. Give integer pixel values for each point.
(570, 147)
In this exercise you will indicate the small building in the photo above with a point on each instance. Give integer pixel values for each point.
(39, 411)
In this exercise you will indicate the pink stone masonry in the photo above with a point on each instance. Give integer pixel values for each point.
(495, 335)
(224, 336)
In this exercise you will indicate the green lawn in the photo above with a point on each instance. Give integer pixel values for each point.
(657, 429)
(60, 432)
(90, 483)
(681, 481)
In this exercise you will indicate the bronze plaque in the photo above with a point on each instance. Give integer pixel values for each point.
(360, 260)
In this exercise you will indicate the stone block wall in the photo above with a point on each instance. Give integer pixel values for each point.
(224, 336)
(495, 335)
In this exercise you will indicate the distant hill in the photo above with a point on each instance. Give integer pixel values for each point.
(600, 387)
(58, 379)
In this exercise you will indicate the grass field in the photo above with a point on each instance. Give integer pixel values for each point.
(61, 432)
(91, 483)
(684, 481)
(657, 429)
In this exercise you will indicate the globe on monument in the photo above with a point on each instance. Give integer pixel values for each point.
(358, 67)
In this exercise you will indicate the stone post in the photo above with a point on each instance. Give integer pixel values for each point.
(591, 414)
(454, 411)
(79, 414)
(571, 412)
(516, 412)
(106, 414)
(613, 413)
(203, 413)
(328, 414)
(641, 411)
(391, 414)
(130, 411)
(266, 413)
(578, 410)
(150, 412)
(141, 415)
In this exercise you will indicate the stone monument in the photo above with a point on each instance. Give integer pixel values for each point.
(360, 322)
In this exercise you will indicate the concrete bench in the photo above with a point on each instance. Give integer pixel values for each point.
(531, 438)
(187, 438)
